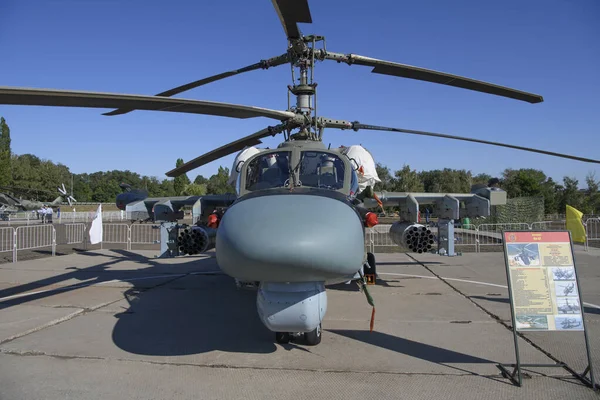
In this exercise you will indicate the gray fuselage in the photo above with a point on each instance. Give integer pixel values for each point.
(294, 220)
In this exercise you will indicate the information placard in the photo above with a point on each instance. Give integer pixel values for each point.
(545, 295)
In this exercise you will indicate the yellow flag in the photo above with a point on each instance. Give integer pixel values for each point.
(575, 225)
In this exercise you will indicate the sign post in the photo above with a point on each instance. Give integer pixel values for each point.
(543, 289)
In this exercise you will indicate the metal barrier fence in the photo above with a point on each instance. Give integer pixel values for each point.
(34, 237)
(136, 234)
(592, 227)
(75, 233)
(144, 234)
(32, 218)
(7, 240)
(31, 237)
(484, 237)
(116, 233)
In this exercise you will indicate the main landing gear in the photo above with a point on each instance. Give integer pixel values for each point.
(311, 338)
(370, 269)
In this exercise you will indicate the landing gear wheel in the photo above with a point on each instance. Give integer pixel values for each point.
(313, 337)
(372, 264)
(282, 337)
(370, 269)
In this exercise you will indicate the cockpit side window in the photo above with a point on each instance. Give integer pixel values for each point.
(321, 170)
(268, 171)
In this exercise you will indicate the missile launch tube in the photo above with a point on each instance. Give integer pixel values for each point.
(415, 237)
(206, 238)
(196, 239)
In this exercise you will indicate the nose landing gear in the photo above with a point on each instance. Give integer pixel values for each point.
(311, 338)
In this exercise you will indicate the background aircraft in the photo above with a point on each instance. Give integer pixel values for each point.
(298, 219)
(10, 204)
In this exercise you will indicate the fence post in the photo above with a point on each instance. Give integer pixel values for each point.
(53, 241)
(585, 244)
(14, 245)
(129, 237)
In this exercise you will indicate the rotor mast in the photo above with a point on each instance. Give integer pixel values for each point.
(301, 52)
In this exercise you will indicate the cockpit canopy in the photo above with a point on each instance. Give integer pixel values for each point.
(300, 168)
(267, 171)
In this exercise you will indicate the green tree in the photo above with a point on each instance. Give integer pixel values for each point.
(82, 190)
(407, 180)
(194, 190)
(5, 154)
(385, 175)
(167, 188)
(200, 180)
(571, 195)
(181, 181)
(446, 181)
(592, 195)
(482, 178)
(217, 184)
(529, 182)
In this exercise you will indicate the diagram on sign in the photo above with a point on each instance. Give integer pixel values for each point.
(563, 274)
(524, 254)
(566, 288)
(568, 306)
(568, 323)
(532, 322)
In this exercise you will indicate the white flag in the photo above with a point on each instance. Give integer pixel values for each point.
(96, 228)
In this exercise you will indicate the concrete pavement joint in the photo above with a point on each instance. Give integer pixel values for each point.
(241, 367)
(77, 313)
(44, 326)
(91, 282)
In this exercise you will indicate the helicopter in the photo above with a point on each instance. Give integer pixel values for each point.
(298, 220)
(9, 204)
(563, 274)
(569, 308)
(526, 256)
(567, 289)
(570, 323)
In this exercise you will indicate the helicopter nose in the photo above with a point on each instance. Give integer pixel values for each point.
(290, 238)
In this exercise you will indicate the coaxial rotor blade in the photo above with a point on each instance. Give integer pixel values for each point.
(428, 75)
(72, 98)
(290, 13)
(356, 126)
(227, 149)
(272, 62)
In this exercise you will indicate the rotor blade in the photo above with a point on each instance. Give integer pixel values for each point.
(71, 98)
(291, 12)
(227, 149)
(356, 126)
(428, 75)
(272, 62)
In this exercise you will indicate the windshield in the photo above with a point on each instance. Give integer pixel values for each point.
(268, 171)
(321, 170)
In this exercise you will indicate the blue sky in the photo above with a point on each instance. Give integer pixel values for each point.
(548, 47)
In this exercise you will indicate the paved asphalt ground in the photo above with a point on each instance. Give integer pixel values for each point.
(117, 324)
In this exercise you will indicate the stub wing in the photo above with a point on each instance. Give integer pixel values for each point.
(448, 205)
(168, 209)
